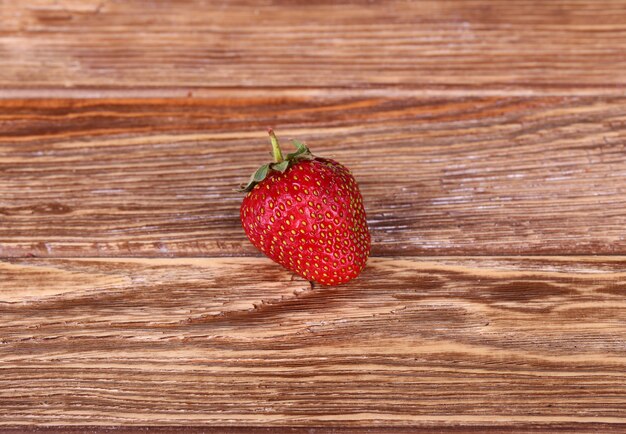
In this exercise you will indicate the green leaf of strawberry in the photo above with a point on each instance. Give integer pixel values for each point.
(302, 149)
(280, 164)
(281, 167)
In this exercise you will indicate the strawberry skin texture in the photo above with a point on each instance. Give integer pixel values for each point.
(311, 220)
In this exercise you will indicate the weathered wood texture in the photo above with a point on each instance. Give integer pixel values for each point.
(130, 297)
(431, 340)
(586, 428)
(574, 46)
(439, 176)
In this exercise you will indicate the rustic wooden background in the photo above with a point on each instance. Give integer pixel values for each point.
(489, 138)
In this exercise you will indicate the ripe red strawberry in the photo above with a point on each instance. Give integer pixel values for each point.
(306, 213)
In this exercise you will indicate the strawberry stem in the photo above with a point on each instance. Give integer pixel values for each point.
(278, 155)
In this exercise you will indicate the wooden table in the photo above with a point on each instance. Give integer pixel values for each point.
(489, 140)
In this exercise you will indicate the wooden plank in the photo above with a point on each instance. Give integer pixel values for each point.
(439, 176)
(435, 45)
(430, 342)
(579, 428)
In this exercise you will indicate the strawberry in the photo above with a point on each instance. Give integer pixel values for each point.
(306, 213)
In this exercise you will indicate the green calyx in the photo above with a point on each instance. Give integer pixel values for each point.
(280, 164)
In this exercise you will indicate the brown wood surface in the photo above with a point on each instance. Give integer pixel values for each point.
(573, 46)
(422, 340)
(439, 176)
(489, 140)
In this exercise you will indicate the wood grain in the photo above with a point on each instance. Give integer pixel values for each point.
(439, 176)
(131, 300)
(584, 428)
(473, 46)
(447, 341)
